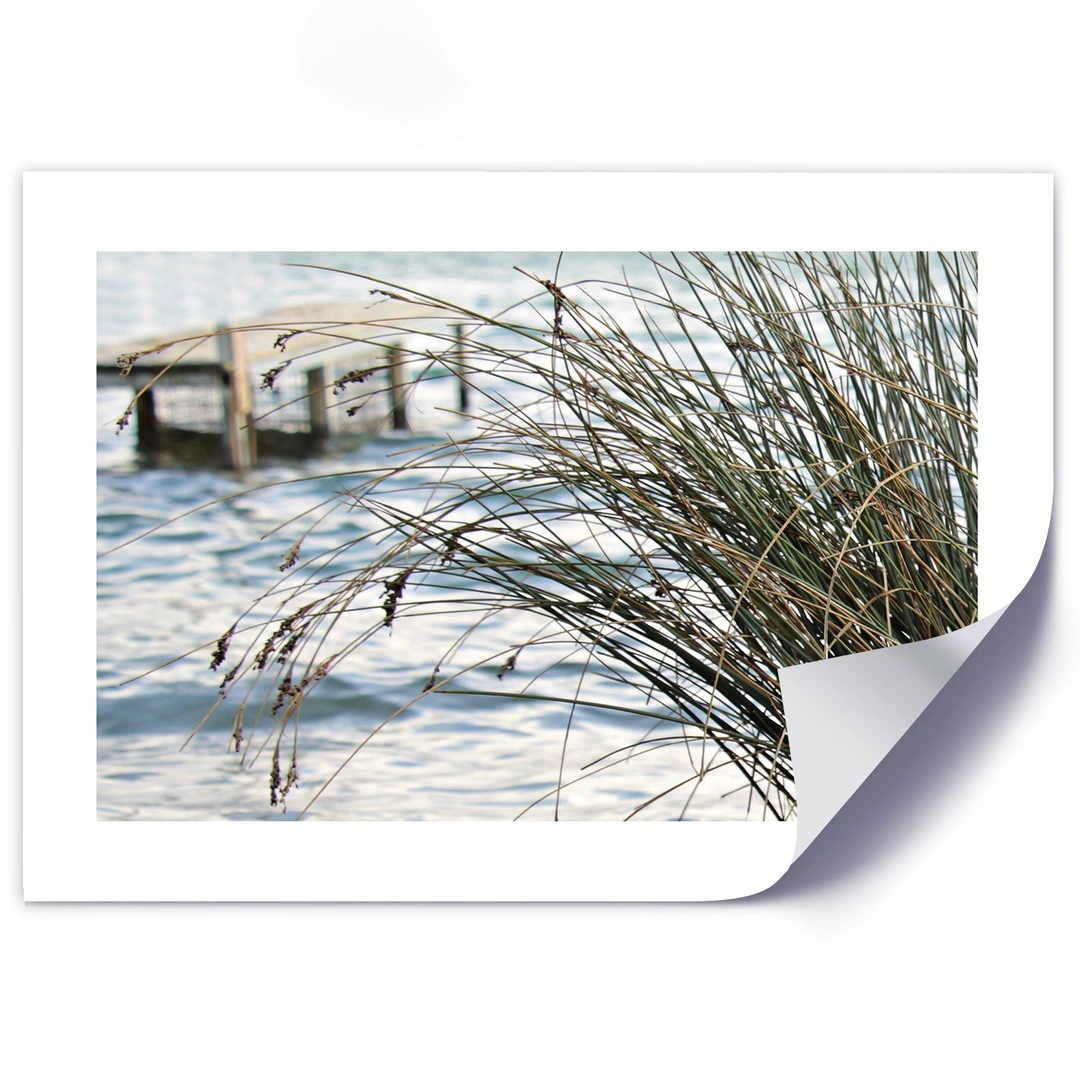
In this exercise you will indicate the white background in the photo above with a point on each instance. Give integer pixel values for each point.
(929, 931)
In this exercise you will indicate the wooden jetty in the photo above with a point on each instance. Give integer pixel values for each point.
(269, 386)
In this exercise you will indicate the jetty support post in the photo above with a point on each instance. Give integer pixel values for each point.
(459, 366)
(318, 420)
(397, 390)
(238, 441)
(146, 420)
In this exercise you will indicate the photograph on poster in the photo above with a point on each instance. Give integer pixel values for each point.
(489, 536)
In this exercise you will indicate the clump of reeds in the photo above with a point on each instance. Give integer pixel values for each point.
(749, 462)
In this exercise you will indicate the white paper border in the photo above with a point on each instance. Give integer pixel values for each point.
(69, 217)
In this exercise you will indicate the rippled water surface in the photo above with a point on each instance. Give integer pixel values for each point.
(173, 592)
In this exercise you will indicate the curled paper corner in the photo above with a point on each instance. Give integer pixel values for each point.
(846, 713)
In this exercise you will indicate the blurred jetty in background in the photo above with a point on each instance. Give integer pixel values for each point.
(283, 383)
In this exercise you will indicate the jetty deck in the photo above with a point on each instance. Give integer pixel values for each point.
(267, 383)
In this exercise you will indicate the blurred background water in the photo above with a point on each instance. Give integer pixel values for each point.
(173, 593)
